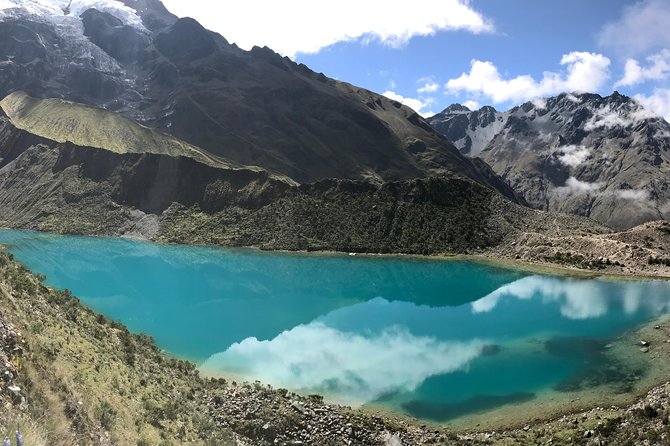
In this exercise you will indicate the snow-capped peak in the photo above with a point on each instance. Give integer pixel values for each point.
(69, 8)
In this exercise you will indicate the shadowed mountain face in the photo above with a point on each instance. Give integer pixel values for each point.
(602, 157)
(67, 167)
(251, 108)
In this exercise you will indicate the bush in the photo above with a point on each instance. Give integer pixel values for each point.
(129, 348)
(608, 427)
(106, 415)
(646, 413)
(658, 261)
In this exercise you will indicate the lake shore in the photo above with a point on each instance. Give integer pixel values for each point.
(553, 418)
(532, 258)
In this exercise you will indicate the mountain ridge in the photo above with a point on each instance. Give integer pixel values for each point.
(248, 107)
(601, 157)
(65, 121)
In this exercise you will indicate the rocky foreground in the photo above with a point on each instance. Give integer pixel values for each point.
(70, 377)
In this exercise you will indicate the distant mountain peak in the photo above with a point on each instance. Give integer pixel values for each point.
(456, 108)
(605, 157)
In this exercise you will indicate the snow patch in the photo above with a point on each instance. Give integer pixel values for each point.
(49, 9)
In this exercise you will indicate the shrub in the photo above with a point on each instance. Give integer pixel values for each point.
(106, 415)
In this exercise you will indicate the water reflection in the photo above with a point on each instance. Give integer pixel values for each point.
(441, 412)
(582, 299)
(533, 334)
(355, 367)
(446, 338)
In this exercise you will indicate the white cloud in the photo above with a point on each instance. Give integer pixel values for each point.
(572, 98)
(539, 103)
(658, 69)
(642, 27)
(418, 105)
(584, 72)
(305, 26)
(575, 187)
(573, 155)
(472, 105)
(318, 358)
(428, 85)
(633, 194)
(658, 102)
(606, 117)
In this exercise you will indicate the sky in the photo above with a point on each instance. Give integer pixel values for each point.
(429, 54)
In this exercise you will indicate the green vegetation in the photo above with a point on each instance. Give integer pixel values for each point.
(664, 227)
(85, 376)
(86, 126)
(424, 216)
(659, 261)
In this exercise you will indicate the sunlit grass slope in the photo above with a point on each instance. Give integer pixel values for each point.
(65, 121)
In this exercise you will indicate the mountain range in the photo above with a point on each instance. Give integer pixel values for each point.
(601, 157)
(119, 118)
(249, 107)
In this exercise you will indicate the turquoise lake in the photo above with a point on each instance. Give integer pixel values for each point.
(434, 339)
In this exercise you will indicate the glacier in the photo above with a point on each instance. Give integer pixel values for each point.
(53, 10)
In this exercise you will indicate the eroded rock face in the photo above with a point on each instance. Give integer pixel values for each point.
(63, 187)
(602, 157)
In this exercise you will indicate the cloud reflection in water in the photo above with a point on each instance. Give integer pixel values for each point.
(319, 358)
(582, 299)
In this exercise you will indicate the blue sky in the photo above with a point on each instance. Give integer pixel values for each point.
(431, 53)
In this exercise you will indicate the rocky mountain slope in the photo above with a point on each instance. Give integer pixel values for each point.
(249, 107)
(65, 121)
(172, 192)
(603, 157)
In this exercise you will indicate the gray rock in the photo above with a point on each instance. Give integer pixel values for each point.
(601, 157)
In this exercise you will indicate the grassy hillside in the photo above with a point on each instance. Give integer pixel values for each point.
(85, 126)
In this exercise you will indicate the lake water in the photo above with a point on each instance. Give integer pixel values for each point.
(438, 340)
